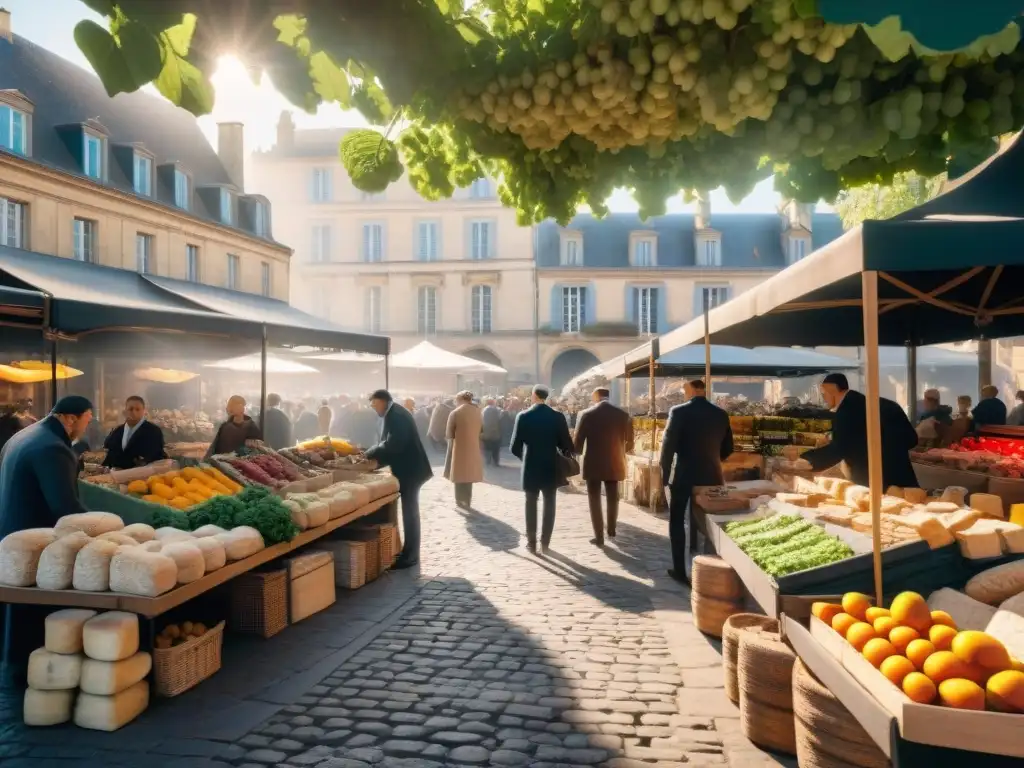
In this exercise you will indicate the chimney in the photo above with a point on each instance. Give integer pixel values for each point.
(703, 217)
(231, 149)
(285, 130)
(797, 215)
(6, 31)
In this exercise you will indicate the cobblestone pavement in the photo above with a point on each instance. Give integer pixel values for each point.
(488, 656)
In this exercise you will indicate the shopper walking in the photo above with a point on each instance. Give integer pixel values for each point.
(277, 427)
(465, 464)
(400, 448)
(490, 436)
(698, 438)
(538, 435)
(439, 424)
(604, 435)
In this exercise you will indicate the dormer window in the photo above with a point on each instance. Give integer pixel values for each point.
(260, 223)
(13, 130)
(643, 250)
(227, 207)
(572, 249)
(480, 189)
(94, 155)
(709, 251)
(182, 196)
(799, 246)
(142, 176)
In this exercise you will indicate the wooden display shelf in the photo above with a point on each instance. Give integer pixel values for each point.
(150, 607)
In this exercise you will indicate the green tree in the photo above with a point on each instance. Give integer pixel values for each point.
(883, 201)
(566, 100)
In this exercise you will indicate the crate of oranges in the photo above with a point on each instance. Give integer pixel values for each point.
(184, 488)
(946, 685)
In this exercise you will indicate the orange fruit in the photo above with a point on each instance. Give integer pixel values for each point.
(842, 622)
(878, 650)
(901, 637)
(961, 694)
(896, 668)
(919, 688)
(1004, 691)
(909, 609)
(884, 625)
(941, 636)
(941, 617)
(918, 652)
(856, 604)
(859, 634)
(1017, 664)
(981, 649)
(826, 611)
(944, 665)
(873, 613)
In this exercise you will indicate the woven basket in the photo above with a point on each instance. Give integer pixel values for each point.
(386, 544)
(809, 752)
(764, 669)
(862, 755)
(710, 615)
(349, 562)
(735, 626)
(184, 666)
(370, 536)
(821, 711)
(767, 726)
(715, 578)
(259, 602)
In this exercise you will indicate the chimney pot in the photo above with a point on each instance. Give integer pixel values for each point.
(231, 149)
(6, 30)
(285, 129)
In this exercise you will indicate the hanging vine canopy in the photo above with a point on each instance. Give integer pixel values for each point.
(566, 100)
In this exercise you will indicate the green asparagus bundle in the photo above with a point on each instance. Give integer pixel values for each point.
(774, 536)
(756, 525)
(824, 553)
(801, 541)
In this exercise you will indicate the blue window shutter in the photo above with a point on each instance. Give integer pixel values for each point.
(311, 183)
(492, 233)
(365, 255)
(467, 239)
(417, 240)
(631, 309)
(663, 308)
(556, 306)
(330, 184)
(438, 227)
(591, 305)
(383, 242)
(697, 306)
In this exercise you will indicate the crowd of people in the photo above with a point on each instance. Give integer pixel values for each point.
(937, 423)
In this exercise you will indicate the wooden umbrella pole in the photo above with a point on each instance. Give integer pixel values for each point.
(652, 409)
(869, 288)
(707, 355)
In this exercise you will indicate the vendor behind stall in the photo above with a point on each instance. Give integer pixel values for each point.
(236, 431)
(136, 442)
(990, 410)
(39, 470)
(850, 436)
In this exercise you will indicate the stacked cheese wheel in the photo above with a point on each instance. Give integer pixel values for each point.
(90, 669)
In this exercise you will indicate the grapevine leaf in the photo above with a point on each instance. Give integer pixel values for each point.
(370, 100)
(141, 51)
(472, 29)
(889, 38)
(180, 81)
(106, 58)
(806, 9)
(291, 75)
(329, 80)
(290, 28)
(444, 6)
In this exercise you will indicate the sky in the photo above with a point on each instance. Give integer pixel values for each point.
(51, 24)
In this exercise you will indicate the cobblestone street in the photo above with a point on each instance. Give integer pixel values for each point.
(487, 656)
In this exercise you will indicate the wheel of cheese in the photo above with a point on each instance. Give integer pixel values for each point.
(111, 636)
(820, 749)
(43, 708)
(57, 562)
(151, 546)
(341, 503)
(49, 671)
(715, 578)
(710, 615)
(135, 571)
(167, 533)
(207, 530)
(817, 707)
(997, 584)
(92, 565)
(241, 542)
(298, 513)
(105, 678)
(118, 537)
(63, 630)
(214, 555)
(19, 555)
(91, 523)
(189, 559)
(318, 514)
(764, 669)
(108, 713)
(140, 532)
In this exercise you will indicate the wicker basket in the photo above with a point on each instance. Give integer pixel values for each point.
(809, 752)
(259, 602)
(715, 578)
(767, 726)
(388, 550)
(184, 666)
(816, 707)
(734, 627)
(349, 562)
(764, 669)
(710, 614)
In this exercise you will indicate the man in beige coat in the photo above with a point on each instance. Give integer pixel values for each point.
(465, 465)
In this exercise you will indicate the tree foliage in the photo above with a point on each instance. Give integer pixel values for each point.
(883, 201)
(566, 100)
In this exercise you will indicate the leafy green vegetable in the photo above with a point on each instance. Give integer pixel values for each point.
(783, 544)
(171, 518)
(220, 510)
(271, 518)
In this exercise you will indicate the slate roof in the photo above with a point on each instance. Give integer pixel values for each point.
(65, 94)
(749, 240)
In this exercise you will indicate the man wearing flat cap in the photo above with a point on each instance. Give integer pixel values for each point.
(39, 468)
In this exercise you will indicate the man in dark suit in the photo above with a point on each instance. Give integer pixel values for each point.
(277, 427)
(698, 438)
(137, 441)
(401, 449)
(538, 434)
(604, 435)
(850, 436)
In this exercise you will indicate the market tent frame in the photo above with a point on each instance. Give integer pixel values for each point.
(769, 362)
(916, 279)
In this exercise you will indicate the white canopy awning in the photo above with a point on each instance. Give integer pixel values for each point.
(253, 364)
(427, 357)
(348, 357)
